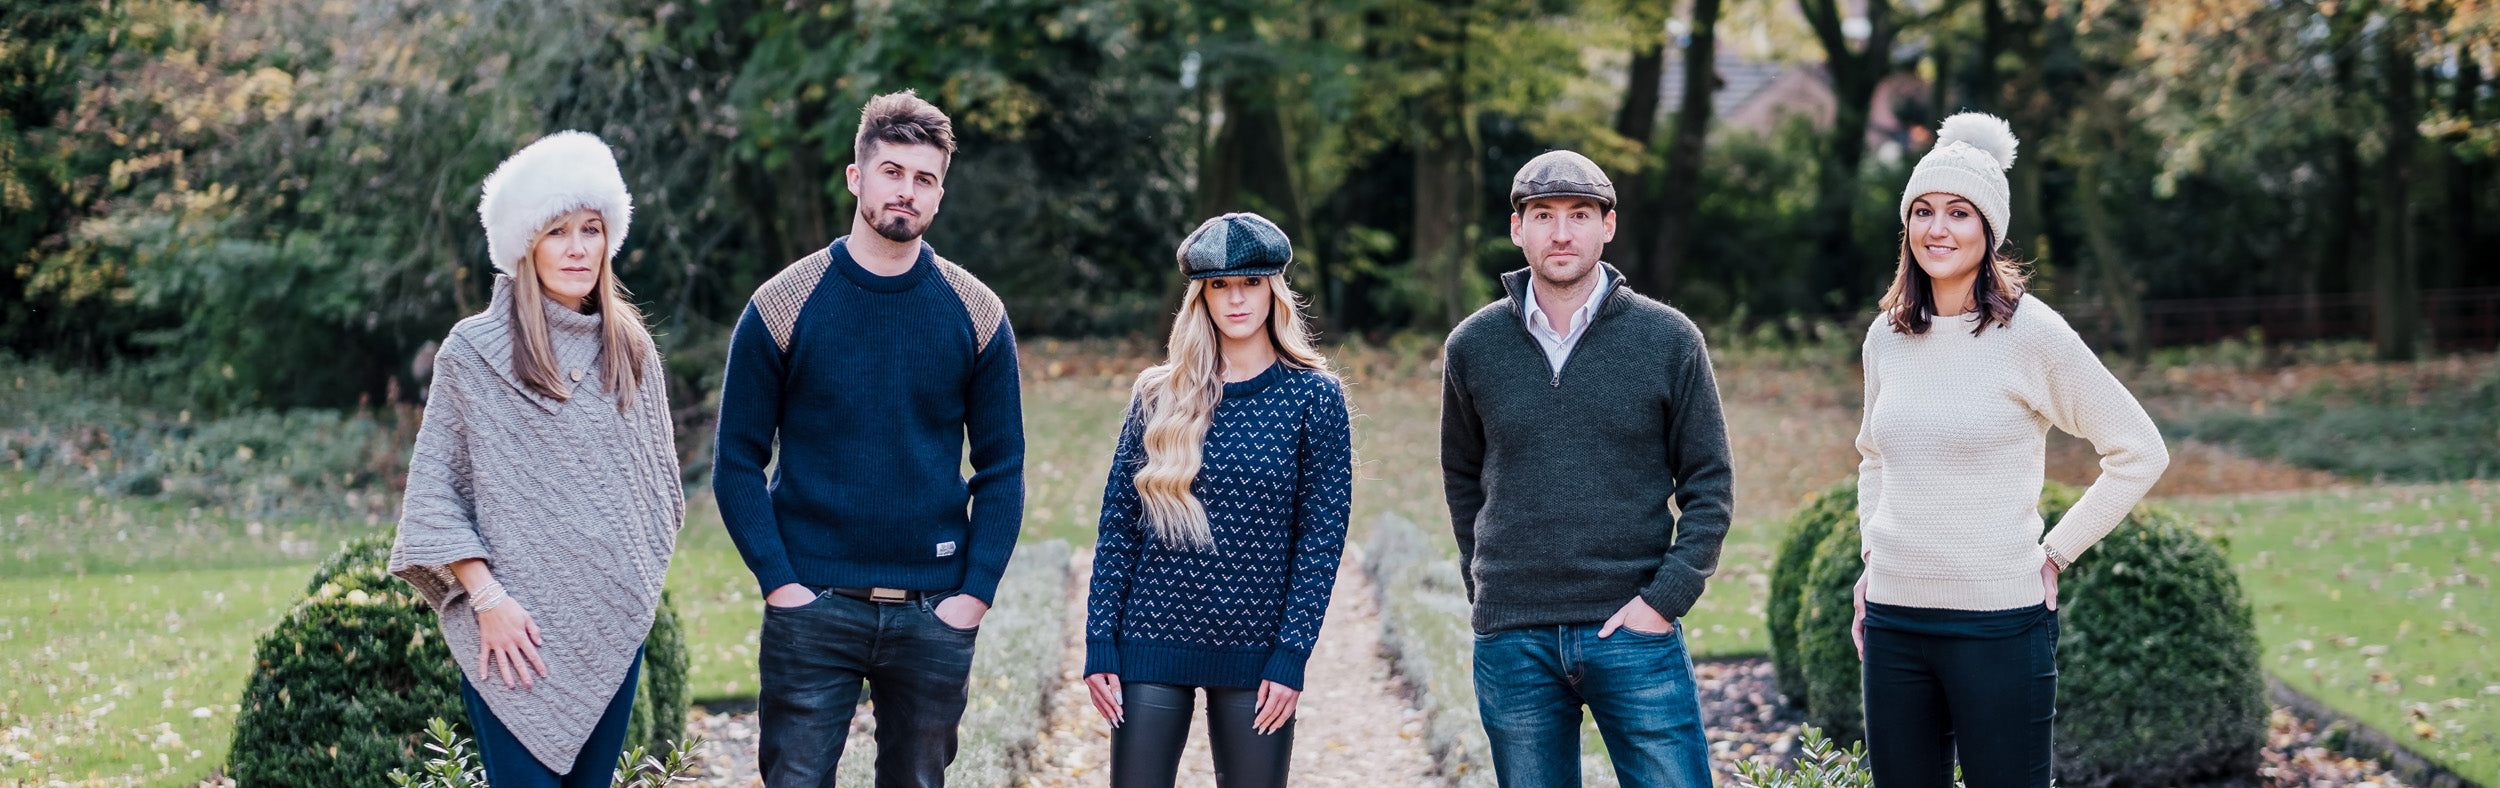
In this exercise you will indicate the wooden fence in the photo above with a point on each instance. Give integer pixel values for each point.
(2455, 320)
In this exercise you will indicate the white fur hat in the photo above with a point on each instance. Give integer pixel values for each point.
(561, 173)
(1973, 151)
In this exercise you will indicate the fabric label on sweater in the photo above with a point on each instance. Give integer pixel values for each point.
(945, 549)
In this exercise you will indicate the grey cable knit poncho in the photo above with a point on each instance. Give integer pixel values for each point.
(575, 506)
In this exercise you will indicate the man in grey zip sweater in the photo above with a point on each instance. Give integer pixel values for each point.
(1586, 466)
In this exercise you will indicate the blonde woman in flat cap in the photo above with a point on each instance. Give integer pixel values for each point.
(1965, 372)
(1222, 522)
(543, 498)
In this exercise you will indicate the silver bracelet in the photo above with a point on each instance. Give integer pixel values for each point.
(489, 603)
(2055, 559)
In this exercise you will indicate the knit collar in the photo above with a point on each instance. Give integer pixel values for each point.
(575, 337)
(870, 281)
(1252, 387)
(1517, 284)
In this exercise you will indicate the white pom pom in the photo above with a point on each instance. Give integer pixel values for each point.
(1981, 130)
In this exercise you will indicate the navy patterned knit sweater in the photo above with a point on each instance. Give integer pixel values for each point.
(1276, 480)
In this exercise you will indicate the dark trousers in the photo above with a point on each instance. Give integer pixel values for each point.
(812, 660)
(1990, 701)
(1146, 748)
(1532, 683)
(510, 765)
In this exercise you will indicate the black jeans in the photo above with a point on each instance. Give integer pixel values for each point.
(1146, 748)
(812, 660)
(1990, 701)
(509, 763)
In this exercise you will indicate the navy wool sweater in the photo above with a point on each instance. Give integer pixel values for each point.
(872, 386)
(1276, 480)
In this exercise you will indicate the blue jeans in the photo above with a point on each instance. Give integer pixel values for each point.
(510, 765)
(1531, 684)
(813, 659)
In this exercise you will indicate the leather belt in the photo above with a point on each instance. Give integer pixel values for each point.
(883, 596)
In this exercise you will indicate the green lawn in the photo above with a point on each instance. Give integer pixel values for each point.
(2379, 602)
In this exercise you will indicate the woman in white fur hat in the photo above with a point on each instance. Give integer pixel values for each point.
(1965, 371)
(543, 497)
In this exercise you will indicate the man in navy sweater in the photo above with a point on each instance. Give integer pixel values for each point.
(873, 363)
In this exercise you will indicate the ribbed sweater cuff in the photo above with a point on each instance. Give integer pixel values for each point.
(1673, 592)
(1101, 657)
(1285, 667)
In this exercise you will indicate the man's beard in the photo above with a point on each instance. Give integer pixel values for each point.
(897, 229)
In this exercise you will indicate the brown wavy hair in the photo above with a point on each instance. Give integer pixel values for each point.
(1911, 303)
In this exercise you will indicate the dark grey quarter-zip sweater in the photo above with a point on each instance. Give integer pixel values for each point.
(1560, 484)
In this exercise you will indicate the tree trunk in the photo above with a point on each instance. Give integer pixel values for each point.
(2457, 234)
(1448, 176)
(1679, 190)
(1250, 168)
(1854, 75)
(1638, 122)
(2116, 284)
(2396, 284)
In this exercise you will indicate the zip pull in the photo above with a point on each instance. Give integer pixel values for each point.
(1557, 382)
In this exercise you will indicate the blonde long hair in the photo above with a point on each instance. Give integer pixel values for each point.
(623, 340)
(1177, 399)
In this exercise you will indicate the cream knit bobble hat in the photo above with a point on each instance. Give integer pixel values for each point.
(1973, 151)
(561, 173)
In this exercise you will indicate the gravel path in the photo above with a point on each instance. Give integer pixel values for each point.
(1356, 729)
(1353, 729)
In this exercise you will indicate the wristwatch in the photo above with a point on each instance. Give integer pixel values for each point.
(2056, 559)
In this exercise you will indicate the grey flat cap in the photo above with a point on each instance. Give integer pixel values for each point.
(1235, 244)
(1561, 173)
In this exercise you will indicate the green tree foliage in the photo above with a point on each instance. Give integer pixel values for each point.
(2158, 681)
(341, 689)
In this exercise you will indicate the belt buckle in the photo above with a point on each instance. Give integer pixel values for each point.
(890, 596)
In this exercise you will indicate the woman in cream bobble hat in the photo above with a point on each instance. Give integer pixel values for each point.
(543, 498)
(1965, 372)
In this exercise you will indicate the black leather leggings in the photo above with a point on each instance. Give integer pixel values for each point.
(1146, 748)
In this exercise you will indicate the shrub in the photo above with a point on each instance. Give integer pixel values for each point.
(2158, 682)
(662, 694)
(1826, 653)
(1806, 529)
(1821, 763)
(2157, 663)
(341, 688)
(1014, 671)
(457, 767)
(1424, 617)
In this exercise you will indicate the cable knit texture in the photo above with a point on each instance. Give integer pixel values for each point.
(1954, 445)
(1572, 491)
(575, 506)
(1276, 482)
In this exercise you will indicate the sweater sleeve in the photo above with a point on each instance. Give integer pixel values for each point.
(1870, 457)
(1323, 494)
(750, 418)
(1116, 547)
(1462, 463)
(1705, 485)
(438, 512)
(994, 426)
(2079, 395)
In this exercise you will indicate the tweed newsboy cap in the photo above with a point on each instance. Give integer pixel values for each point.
(1235, 244)
(1561, 173)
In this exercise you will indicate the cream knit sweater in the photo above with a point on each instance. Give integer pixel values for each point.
(1954, 444)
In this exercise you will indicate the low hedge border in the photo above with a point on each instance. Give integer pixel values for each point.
(1424, 625)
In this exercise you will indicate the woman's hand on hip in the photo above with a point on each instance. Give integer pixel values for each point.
(1105, 689)
(508, 639)
(2048, 580)
(1857, 621)
(1276, 706)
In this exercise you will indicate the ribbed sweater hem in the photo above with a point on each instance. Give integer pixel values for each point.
(1165, 664)
(1502, 616)
(1975, 593)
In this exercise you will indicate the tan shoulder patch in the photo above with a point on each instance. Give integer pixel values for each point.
(782, 296)
(987, 311)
